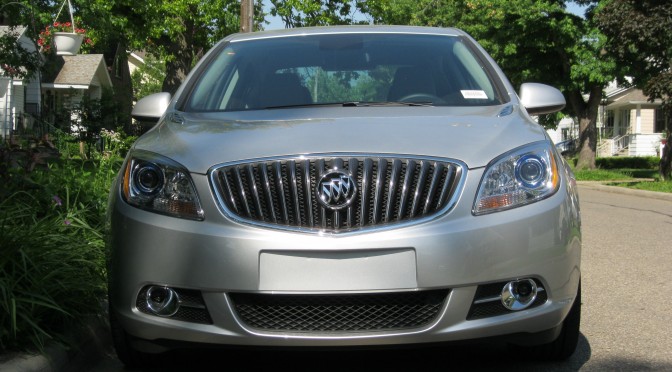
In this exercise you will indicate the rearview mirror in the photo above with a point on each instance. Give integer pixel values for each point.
(541, 99)
(150, 109)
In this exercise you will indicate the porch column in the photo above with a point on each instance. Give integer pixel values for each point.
(638, 119)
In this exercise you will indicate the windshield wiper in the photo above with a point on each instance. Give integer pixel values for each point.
(354, 104)
(387, 103)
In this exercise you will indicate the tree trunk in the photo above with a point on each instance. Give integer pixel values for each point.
(587, 114)
(666, 157)
(178, 67)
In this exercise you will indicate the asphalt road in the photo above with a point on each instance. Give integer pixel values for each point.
(626, 313)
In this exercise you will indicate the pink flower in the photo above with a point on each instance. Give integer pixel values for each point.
(57, 200)
(67, 222)
(56, 24)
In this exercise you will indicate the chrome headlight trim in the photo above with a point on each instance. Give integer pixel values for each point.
(506, 185)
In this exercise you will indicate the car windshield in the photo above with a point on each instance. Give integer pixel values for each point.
(344, 69)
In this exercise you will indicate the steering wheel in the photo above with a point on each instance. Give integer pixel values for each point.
(421, 97)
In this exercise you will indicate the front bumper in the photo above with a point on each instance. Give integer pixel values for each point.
(457, 251)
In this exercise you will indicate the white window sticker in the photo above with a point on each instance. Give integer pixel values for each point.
(474, 94)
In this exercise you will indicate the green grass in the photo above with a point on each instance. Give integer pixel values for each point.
(601, 175)
(605, 175)
(658, 186)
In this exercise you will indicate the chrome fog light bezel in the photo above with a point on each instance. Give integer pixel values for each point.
(517, 296)
(166, 307)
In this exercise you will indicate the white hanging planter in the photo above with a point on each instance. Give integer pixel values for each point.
(67, 43)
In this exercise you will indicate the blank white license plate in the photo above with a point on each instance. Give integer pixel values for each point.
(337, 271)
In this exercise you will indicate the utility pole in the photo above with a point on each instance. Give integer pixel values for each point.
(246, 15)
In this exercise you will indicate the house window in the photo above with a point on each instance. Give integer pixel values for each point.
(609, 122)
(659, 121)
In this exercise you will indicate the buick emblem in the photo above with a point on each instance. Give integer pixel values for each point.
(336, 189)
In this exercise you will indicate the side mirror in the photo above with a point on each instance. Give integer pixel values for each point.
(541, 99)
(150, 109)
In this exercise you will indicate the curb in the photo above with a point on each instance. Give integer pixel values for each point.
(596, 185)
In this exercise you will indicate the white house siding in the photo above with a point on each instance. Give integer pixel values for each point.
(648, 120)
(5, 106)
(644, 144)
(18, 104)
(567, 126)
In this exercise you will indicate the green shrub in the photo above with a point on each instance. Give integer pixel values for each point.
(630, 162)
(51, 269)
(52, 255)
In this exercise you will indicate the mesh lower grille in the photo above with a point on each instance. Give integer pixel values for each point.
(495, 307)
(339, 313)
(389, 190)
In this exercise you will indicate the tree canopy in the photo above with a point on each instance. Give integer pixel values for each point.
(531, 40)
(640, 38)
(304, 13)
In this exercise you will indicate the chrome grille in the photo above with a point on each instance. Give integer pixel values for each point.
(339, 313)
(281, 192)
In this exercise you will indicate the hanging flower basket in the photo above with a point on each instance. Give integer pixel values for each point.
(65, 37)
(67, 43)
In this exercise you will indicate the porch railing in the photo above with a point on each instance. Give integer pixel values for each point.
(613, 146)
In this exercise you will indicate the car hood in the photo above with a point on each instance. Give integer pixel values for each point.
(472, 135)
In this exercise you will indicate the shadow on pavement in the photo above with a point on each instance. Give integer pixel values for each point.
(435, 358)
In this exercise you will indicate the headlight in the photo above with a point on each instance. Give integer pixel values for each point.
(160, 185)
(522, 176)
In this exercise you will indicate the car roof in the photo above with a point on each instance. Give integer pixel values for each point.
(359, 29)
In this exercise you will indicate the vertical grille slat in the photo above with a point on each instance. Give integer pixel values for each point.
(353, 165)
(433, 186)
(294, 192)
(267, 191)
(424, 168)
(308, 200)
(389, 190)
(229, 199)
(255, 192)
(336, 221)
(321, 167)
(241, 191)
(378, 190)
(392, 188)
(406, 190)
(281, 193)
(445, 189)
(367, 173)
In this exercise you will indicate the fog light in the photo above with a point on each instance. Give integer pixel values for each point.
(162, 301)
(519, 294)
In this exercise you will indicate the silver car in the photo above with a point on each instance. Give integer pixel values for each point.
(345, 187)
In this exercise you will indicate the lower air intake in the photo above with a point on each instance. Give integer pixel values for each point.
(339, 313)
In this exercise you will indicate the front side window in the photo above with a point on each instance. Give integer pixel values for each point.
(340, 69)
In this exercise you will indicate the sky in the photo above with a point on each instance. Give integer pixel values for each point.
(276, 22)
